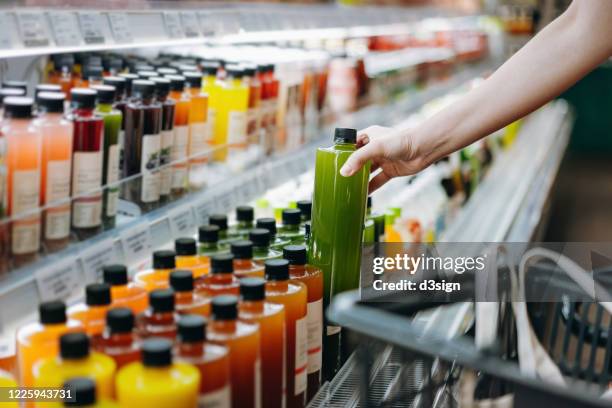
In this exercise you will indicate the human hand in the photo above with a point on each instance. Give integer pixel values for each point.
(390, 150)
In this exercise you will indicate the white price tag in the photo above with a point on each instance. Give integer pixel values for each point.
(191, 25)
(59, 281)
(33, 29)
(91, 27)
(65, 28)
(120, 27)
(209, 24)
(137, 245)
(5, 35)
(172, 22)
(182, 222)
(95, 258)
(202, 211)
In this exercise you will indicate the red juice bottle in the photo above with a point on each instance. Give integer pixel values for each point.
(119, 340)
(162, 86)
(221, 280)
(87, 160)
(160, 319)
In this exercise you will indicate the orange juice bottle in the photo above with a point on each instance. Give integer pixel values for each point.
(119, 339)
(158, 382)
(157, 278)
(222, 280)
(76, 360)
(40, 340)
(312, 277)
(271, 319)
(199, 138)
(160, 319)
(124, 293)
(187, 257)
(84, 394)
(242, 339)
(211, 359)
(180, 149)
(92, 313)
(244, 265)
(186, 300)
(293, 295)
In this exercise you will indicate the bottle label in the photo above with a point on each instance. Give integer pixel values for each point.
(58, 181)
(216, 399)
(87, 212)
(180, 144)
(212, 122)
(57, 222)
(198, 142)
(301, 355)
(258, 383)
(112, 163)
(165, 184)
(25, 232)
(179, 176)
(237, 127)
(315, 335)
(86, 172)
(151, 146)
(112, 198)
(25, 236)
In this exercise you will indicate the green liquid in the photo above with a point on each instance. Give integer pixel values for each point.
(240, 230)
(112, 126)
(209, 249)
(292, 235)
(369, 232)
(263, 254)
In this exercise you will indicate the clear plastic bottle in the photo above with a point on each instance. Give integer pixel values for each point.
(187, 257)
(124, 293)
(269, 223)
(245, 215)
(244, 265)
(290, 230)
(92, 313)
(180, 148)
(221, 280)
(186, 300)
(160, 319)
(208, 239)
(220, 220)
(260, 238)
(162, 86)
(231, 127)
(119, 340)
(199, 137)
(164, 261)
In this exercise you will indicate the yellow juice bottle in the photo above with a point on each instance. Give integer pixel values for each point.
(7, 380)
(158, 382)
(83, 393)
(187, 257)
(157, 278)
(210, 87)
(231, 127)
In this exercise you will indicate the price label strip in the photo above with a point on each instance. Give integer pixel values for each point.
(191, 25)
(6, 41)
(182, 222)
(120, 27)
(91, 27)
(202, 211)
(59, 281)
(172, 22)
(33, 29)
(65, 28)
(95, 258)
(137, 243)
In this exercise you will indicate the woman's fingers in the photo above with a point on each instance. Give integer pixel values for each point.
(359, 157)
(378, 181)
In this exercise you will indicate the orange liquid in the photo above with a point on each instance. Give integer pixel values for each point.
(214, 364)
(153, 279)
(157, 325)
(93, 318)
(244, 268)
(242, 340)
(192, 303)
(218, 284)
(131, 296)
(271, 320)
(293, 295)
(199, 139)
(199, 265)
(121, 347)
(180, 151)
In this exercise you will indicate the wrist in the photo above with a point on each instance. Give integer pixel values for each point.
(428, 146)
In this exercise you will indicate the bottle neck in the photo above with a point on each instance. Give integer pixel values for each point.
(281, 286)
(184, 296)
(195, 349)
(208, 245)
(105, 107)
(252, 306)
(297, 270)
(224, 326)
(243, 263)
(84, 112)
(120, 338)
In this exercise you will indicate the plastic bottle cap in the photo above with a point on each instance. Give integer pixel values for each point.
(194, 79)
(234, 71)
(7, 92)
(143, 89)
(249, 70)
(242, 249)
(345, 135)
(47, 88)
(305, 206)
(292, 216)
(83, 390)
(245, 213)
(162, 300)
(74, 346)
(295, 254)
(51, 102)
(167, 71)
(210, 67)
(106, 93)
(177, 82)
(185, 246)
(97, 294)
(253, 289)
(260, 237)
(224, 307)
(162, 86)
(18, 107)
(192, 329)
(120, 320)
(147, 74)
(208, 233)
(52, 312)
(277, 269)
(115, 275)
(157, 352)
(268, 223)
(222, 263)
(181, 280)
(15, 84)
(220, 220)
(164, 259)
(84, 98)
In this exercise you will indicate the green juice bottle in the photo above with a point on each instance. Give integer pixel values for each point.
(112, 126)
(291, 230)
(338, 215)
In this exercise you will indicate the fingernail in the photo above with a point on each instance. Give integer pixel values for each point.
(345, 171)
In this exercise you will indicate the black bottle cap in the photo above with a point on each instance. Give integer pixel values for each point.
(50, 102)
(83, 392)
(167, 71)
(222, 263)
(249, 70)
(106, 93)
(118, 82)
(208, 234)
(181, 280)
(63, 61)
(260, 237)
(18, 107)
(185, 246)
(277, 269)
(242, 249)
(162, 86)
(120, 320)
(115, 275)
(252, 289)
(115, 63)
(15, 84)
(52, 312)
(162, 300)
(305, 206)
(292, 216)
(234, 71)
(140, 66)
(83, 98)
(147, 74)
(74, 346)
(47, 88)
(345, 135)
(220, 220)
(129, 79)
(164, 259)
(177, 82)
(224, 307)
(143, 89)
(194, 79)
(192, 329)
(295, 254)
(157, 352)
(7, 92)
(97, 294)
(92, 71)
(268, 223)
(245, 213)
(210, 67)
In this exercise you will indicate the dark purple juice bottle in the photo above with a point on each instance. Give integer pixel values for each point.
(121, 85)
(162, 87)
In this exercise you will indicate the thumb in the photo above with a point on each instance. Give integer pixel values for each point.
(359, 158)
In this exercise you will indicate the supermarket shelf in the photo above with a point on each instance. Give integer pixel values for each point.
(64, 274)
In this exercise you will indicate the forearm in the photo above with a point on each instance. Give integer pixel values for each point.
(556, 58)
